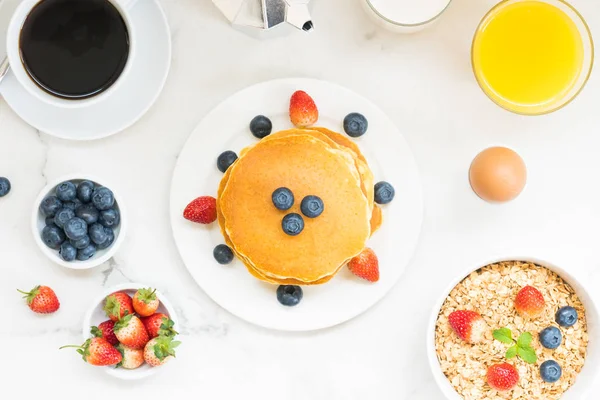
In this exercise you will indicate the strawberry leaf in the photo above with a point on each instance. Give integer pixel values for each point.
(527, 354)
(503, 335)
(525, 339)
(146, 295)
(95, 331)
(511, 352)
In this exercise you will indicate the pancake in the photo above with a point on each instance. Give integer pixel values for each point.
(338, 141)
(252, 225)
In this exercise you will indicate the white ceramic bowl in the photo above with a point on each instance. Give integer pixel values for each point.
(592, 363)
(38, 221)
(96, 315)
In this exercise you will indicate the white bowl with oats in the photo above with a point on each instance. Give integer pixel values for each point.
(460, 368)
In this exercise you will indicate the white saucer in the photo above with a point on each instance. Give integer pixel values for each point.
(231, 286)
(126, 105)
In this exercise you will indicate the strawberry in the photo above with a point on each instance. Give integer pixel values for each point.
(131, 332)
(97, 351)
(160, 350)
(502, 377)
(145, 302)
(41, 299)
(365, 265)
(529, 302)
(105, 330)
(468, 325)
(159, 325)
(132, 358)
(202, 210)
(118, 305)
(303, 110)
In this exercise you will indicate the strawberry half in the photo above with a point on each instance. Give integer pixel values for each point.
(365, 265)
(530, 302)
(468, 325)
(202, 210)
(303, 110)
(41, 299)
(502, 377)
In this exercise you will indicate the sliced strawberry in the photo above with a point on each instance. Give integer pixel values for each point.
(530, 302)
(468, 325)
(303, 110)
(365, 265)
(502, 377)
(202, 210)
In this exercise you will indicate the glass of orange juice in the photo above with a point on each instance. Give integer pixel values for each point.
(532, 57)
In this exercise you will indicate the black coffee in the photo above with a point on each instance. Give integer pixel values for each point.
(74, 49)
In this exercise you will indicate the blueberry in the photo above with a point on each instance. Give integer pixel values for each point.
(86, 253)
(73, 205)
(81, 243)
(283, 198)
(103, 198)
(225, 160)
(289, 295)
(63, 216)
(76, 228)
(84, 191)
(223, 254)
(53, 236)
(551, 337)
(550, 371)
(355, 125)
(109, 218)
(50, 206)
(67, 251)
(110, 238)
(384, 193)
(97, 234)
(261, 126)
(88, 213)
(292, 224)
(66, 191)
(566, 316)
(49, 221)
(312, 206)
(4, 186)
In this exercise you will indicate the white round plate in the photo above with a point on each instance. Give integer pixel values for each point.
(231, 286)
(125, 106)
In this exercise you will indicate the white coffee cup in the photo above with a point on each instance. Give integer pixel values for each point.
(16, 65)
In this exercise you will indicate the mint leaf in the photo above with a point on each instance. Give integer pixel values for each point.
(503, 335)
(525, 339)
(527, 354)
(511, 352)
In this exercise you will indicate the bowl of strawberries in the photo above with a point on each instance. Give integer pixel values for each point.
(131, 331)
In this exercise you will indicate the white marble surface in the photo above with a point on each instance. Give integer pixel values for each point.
(425, 84)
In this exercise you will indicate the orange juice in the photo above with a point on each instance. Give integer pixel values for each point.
(527, 55)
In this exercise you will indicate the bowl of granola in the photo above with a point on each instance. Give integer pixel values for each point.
(515, 328)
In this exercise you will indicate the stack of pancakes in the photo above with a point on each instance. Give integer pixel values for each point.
(313, 161)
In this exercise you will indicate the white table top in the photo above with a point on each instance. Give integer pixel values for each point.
(424, 82)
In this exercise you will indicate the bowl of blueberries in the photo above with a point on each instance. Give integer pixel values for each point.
(78, 222)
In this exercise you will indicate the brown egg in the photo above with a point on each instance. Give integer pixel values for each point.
(498, 174)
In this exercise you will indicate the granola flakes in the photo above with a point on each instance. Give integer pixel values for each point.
(491, 291)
